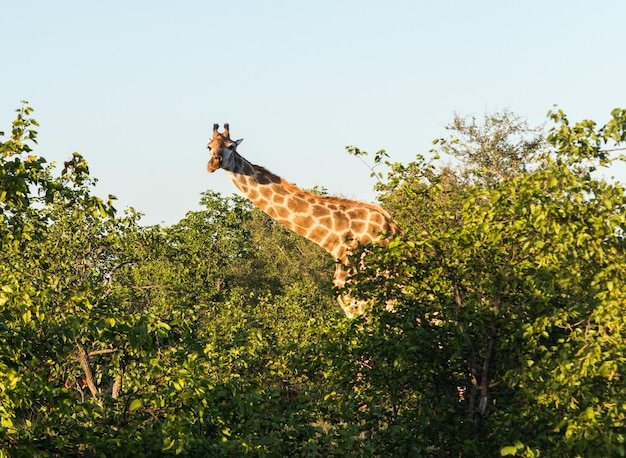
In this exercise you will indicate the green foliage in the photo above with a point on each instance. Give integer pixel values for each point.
(507, 331)
(220, 335)
(122, 340)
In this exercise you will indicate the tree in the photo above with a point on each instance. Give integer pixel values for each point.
(498, 149)
(506, 331)
(117, 339)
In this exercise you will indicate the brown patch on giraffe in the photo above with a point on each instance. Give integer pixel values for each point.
(283, 212)
(326, 222)
(331, 241)
(317, 234)
(244, 188)
(357, 213)
(263, 203)
(377, 218)
(339, 252)
(267, 192)
(358, 227)
(304, 221)
(271, 211)
(341, 222)
(298, 205)
(253, 195)
(318, 210)
(279, 198)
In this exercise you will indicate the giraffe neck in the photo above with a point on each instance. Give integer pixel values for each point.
(329, 222)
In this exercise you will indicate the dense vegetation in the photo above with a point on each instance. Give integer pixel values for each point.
(220, 335)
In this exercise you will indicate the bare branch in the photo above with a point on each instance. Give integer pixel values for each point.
(83, 359)
(102, 352)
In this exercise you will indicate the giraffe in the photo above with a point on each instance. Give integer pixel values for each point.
(334, 223)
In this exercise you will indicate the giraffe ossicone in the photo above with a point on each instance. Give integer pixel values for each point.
(334, 223)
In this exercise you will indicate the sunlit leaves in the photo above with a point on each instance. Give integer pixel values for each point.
(525, 273)
(118, 339)
(220, 336)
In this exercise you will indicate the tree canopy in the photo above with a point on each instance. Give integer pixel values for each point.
(220, 335)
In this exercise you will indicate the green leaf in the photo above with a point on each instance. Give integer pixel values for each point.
(512, 449)
(168, 443)
(508, 450)
(135, 404)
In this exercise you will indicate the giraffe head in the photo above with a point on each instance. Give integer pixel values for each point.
(222, 148)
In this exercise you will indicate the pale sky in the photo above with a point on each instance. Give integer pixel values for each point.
(135, 86)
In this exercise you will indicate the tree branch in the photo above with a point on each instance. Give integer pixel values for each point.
(83, 359)
(102, 352)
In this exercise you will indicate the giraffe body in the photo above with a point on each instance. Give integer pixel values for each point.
(336, 224)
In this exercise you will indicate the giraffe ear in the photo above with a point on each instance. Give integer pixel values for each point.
(237, 142)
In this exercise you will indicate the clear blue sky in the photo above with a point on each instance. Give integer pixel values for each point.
(135, 86)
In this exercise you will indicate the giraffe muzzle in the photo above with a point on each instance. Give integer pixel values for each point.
(214, 164)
